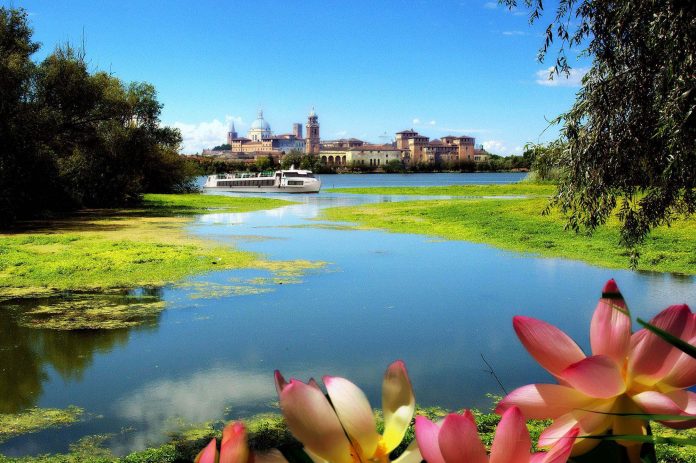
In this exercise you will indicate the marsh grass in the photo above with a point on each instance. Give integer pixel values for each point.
(37, 419)
(127, 248)
(518, 225)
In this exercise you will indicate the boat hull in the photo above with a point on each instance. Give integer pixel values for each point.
(266, 189)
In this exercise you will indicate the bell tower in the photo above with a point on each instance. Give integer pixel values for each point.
(232, 134)
(312, 140)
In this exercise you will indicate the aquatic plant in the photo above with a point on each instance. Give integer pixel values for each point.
(341, 428)
(457, 440)
(628, 376)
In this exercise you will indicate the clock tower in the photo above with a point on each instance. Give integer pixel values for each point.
(312, 140)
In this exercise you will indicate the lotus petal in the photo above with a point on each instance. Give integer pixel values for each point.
(678, 402)
(313, 421)
(610, 330)
(511, 443)
(354, 412)
(589, 423)
(427, 434)
(459, 439)
(540, 401)
(551, 347)
(652, 357)
(209, 454)
(234, 448)
(560, 452)
(398, 404)
(597, 376)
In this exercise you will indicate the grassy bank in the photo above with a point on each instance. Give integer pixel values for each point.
(269, 431)
(508, 189)
(517, 225)
(107, 249)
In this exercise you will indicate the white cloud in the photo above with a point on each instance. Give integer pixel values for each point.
(500, 147)
(490, 5)
(202, 135)
(341, 133)
(511, 33)
(432, 122)
(561, 80)
(416, 121)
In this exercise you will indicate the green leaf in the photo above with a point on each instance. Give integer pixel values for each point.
(670, 338)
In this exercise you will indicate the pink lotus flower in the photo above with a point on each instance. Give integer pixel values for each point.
(343, 430)
(457, 441)
(234, 449)
(627, 373)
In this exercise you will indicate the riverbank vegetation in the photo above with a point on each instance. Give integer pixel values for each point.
(518, 225)
(207, 165)
(102, 250)
(628, 141)
(73, 137)
(267, 431)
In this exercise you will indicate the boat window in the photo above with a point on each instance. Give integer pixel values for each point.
(297, 174)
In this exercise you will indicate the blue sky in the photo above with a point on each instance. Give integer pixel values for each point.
(368, 67)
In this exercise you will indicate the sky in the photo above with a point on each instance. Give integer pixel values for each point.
(369, 68)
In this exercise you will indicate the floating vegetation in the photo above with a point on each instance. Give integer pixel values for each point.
(289, 268)
(209, 290)
(274, 281)
(37, 419)
(91, 312)
(283, 272)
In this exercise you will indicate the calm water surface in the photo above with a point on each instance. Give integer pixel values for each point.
(438, 305)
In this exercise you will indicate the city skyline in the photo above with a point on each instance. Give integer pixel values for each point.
(446, 68)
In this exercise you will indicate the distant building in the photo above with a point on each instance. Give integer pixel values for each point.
(343, 143)
(409, 147)
(363, 155)
(297, 130)
(448, 148)
(313, 142)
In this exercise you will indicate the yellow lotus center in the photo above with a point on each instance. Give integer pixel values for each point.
(381, 454)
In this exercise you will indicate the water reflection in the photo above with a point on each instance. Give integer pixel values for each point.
(28, 355)
(159, 406)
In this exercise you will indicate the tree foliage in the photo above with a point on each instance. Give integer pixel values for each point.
(631, 133)
(76, 138)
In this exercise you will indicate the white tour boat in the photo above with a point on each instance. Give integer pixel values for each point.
(280, 181)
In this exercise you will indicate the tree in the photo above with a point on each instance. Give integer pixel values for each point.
(631, 133)
(293, 158)
(73, 138)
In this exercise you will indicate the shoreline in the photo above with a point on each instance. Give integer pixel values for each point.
(116, 249)
(516, 224)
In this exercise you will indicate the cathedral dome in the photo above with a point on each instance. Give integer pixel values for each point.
(260, 123)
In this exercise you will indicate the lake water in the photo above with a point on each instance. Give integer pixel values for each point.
(438, 305)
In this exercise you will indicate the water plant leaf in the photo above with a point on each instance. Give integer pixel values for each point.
(673, 340)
